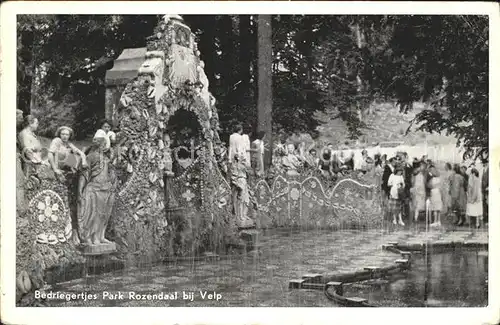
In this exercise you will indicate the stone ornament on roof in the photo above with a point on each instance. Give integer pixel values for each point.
(167, 18)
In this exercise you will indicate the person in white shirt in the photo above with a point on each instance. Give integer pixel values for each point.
(235, 143)
(396, 183)
(258, 154)
(246, 148)
(358, 159)
(106, 133)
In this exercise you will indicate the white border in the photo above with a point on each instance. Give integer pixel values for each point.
(12, 315)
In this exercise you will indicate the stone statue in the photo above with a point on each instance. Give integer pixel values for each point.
(240, 191)
(96, 198)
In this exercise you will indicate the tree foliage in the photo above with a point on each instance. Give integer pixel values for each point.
(332, 64)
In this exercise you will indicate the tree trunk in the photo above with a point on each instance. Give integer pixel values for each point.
(25, 76)
(359, 42)
(265, 93)
(245, 51)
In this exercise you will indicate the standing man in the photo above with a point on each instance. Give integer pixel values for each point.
(245, 141)
(235, 143)
(388, 170)
(484, 189)
(407, 174)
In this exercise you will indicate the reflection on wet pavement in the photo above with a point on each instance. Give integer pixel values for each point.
(262, 279)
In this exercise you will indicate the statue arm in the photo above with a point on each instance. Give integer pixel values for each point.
(82, 181)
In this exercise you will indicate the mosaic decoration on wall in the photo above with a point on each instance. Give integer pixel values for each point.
(306, 203)
(162, 112)
(51, 217)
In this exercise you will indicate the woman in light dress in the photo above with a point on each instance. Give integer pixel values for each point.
(418, 189)
(458, 196)
(474, 198)
(258, 154)
(396, 183)
(435, 197)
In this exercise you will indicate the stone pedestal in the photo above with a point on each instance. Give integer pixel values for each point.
(251, 239)
(99, 249)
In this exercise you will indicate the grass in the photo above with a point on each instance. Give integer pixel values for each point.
(386, 124)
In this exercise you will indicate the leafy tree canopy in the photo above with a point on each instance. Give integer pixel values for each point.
(337, 65)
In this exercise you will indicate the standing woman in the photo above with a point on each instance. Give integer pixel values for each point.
(474, 198)
(258, 154)
(418, 189)
(396, 183)
(445, 189)
(435, 198)
(64, 164)
(458, 197)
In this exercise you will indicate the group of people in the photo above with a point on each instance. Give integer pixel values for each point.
(88, 176)
(409, 188)
(458, 191)
(330, 163)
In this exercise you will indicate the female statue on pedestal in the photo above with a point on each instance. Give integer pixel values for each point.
(97, 195)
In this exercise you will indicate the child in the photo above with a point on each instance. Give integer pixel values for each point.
(396, 184)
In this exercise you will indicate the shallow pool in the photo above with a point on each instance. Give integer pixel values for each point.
(261, 279)
(452, 279)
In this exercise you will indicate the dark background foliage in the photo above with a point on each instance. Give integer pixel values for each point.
(335, 65)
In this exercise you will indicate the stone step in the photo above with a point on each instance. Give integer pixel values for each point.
(296, 283)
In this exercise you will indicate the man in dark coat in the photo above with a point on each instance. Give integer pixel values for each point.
(407, 174)
(484, 189)
(388, 170)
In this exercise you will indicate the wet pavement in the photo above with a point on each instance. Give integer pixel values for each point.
(261, 279)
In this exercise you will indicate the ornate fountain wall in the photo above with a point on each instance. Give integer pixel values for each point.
(164, 209)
